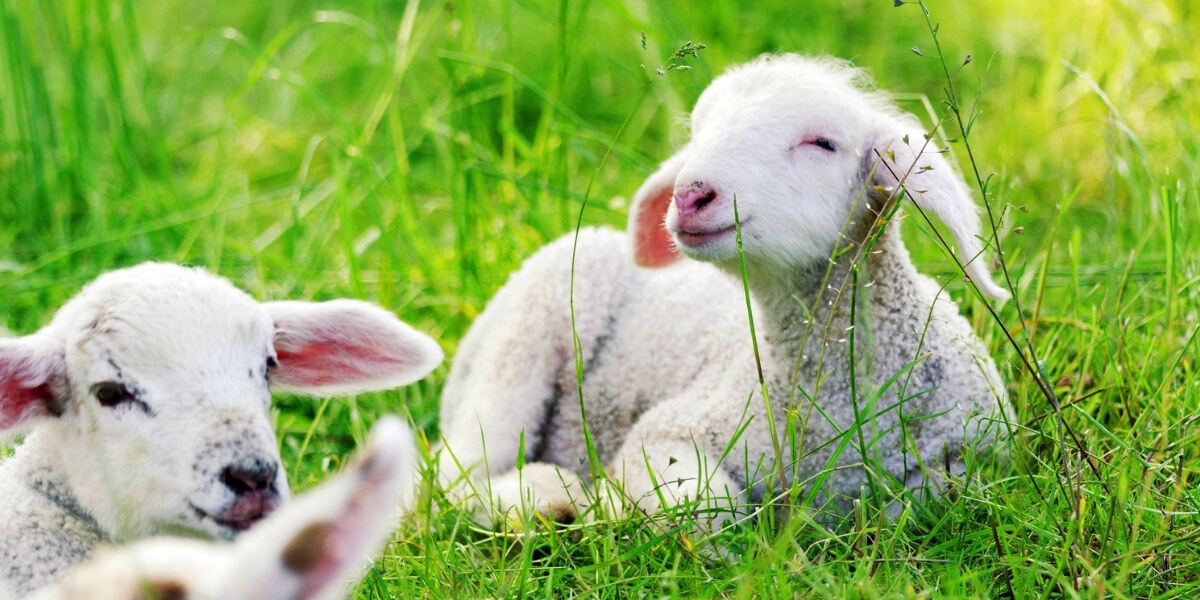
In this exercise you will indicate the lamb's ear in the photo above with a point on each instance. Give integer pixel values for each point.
(652, 244)
(346, 347)
(32, 379)
(936, 187)
(315, 546)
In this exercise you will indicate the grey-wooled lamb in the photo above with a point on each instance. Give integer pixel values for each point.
(813, 155)
(147, 403)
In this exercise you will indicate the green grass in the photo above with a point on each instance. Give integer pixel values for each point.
(414, 154)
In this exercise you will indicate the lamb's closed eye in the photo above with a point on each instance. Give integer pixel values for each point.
(823, 143)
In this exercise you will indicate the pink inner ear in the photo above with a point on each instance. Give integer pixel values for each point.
(334, 362)
(346, 347)
(652, 245)
(19, 403)
(30, 375)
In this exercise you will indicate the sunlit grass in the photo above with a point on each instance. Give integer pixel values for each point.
(415, 154)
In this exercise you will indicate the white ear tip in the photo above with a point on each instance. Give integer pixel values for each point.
(390, 445)
(433, 353)
(390, 432)
(990, 289)
(1000, 294)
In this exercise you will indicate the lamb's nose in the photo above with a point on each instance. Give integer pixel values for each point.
(693, 197)
(251, 476)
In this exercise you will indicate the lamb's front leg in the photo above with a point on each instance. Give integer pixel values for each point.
(500, 415)
(663, 464)
(678, 475)
(557, 493)
(495, 409)
(511, 367)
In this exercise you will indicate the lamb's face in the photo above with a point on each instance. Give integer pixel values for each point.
(810, 151)
(167, 426)
(786, 139)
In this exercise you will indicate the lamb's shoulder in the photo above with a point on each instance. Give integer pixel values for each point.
(40, 535)
(36, 553)
(929, 356)
(675, 334)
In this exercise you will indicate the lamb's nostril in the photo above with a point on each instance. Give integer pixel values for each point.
(254, 476)
(693, 197)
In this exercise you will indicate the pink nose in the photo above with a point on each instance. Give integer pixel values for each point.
(693, 197)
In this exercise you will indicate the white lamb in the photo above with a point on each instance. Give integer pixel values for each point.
(147, 400)
(668, 368)
(311, 549)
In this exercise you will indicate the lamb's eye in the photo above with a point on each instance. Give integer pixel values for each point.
(111, 393)
(271, 363)
(825, 144)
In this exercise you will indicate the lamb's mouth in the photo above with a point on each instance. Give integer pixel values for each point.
(230, 525)
(696, 239)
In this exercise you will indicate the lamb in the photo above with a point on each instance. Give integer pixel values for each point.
(815, 158)
(307, 550)
(147, 405)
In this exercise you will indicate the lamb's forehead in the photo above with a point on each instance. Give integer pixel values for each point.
(164, 303)
(821, 88)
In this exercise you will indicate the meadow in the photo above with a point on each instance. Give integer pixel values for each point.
(413, 154)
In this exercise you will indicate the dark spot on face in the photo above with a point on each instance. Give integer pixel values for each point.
(304, 552)
(162, 590)
(139, 393)
(267, 367)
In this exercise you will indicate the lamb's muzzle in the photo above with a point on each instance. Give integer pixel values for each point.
(256, 495)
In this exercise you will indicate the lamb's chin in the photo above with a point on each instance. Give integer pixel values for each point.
(207, 526)
(714, 247)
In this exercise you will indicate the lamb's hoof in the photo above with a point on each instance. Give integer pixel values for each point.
(538, 493)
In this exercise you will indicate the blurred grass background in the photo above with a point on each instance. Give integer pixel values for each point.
(414, 153)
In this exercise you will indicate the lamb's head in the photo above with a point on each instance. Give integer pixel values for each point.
(153, 387)
(811, 154)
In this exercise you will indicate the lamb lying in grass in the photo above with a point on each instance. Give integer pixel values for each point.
(813, 157)
(147, 403)
(309, 550)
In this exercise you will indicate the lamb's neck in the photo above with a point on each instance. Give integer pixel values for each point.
(38, 469)
(812, 305)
